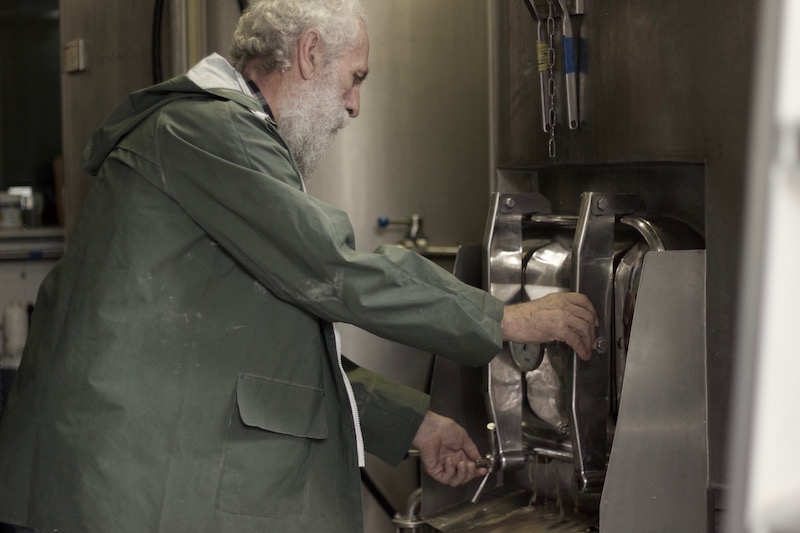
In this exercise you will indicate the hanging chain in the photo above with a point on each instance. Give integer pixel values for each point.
(551, 80)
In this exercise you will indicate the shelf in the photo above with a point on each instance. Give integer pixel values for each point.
(25, 244)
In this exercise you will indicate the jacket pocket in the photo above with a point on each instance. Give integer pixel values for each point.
(267, 460)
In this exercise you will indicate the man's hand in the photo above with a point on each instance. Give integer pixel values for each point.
(446, 451)
(559, 316)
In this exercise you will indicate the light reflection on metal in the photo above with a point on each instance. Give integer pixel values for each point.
(503, 271)
(530, 391)
(647, 230)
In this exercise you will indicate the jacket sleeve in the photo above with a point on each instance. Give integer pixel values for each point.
(232, 173)
(390, 412)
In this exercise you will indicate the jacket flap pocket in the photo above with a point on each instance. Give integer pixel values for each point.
(281, 407)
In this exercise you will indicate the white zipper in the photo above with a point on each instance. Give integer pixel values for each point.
(352, 397)
(347, 385)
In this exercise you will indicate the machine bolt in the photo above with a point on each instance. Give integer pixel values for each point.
(602, 344)
(602, 203)
(509, 203)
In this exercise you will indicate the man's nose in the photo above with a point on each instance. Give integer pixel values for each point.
(353, 103)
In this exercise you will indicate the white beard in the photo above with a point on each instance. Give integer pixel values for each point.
(310, 118)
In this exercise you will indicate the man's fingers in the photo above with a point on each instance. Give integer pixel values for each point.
(454, 473)
(556, 316)
(576, 342)
(582, 308)
(581, 325)
(470, 449)
(464, 472)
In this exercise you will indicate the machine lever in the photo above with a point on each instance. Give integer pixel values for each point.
(484, 463)
(489, 462)
(593, 275)
(478, 492)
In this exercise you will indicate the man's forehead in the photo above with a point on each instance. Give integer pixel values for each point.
(363, 51)
(357, 60)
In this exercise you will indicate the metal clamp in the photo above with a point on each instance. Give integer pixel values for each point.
(503, 271)
(593, 275)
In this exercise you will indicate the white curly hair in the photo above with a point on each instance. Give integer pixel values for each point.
(268, 31)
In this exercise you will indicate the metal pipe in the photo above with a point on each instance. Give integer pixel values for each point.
(411, 521)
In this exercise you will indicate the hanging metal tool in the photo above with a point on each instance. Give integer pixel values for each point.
(542, 64)
(570, 70)
(546, 62)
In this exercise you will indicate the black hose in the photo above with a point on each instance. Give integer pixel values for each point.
(377, 494)
(529, 4)
(158, 15)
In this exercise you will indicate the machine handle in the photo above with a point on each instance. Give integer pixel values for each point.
(489, 462)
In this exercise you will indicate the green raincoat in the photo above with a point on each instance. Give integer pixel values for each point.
(181, 374)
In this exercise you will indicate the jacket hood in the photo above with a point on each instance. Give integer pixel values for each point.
(213, 77)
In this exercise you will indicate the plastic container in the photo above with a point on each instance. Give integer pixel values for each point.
(15, 328)
(10, 211)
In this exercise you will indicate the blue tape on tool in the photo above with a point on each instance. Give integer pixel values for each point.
(568, 46)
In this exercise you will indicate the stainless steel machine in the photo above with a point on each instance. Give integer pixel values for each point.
(548, 419)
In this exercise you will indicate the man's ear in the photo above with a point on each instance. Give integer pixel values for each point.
(309, 54)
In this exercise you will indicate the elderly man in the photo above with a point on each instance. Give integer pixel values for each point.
(183, 371)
